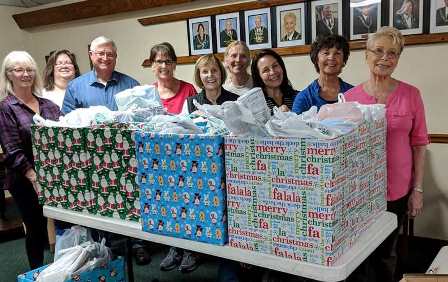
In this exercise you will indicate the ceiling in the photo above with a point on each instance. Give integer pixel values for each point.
(26, 3)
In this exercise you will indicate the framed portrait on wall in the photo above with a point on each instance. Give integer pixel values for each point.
(439, 16)
(290, 25)
(227, 30)
(365, 18)
(200, 36)
(326, 18)
(258, 28)
(406, 15)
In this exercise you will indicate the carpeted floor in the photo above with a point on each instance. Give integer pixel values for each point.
(13, 262)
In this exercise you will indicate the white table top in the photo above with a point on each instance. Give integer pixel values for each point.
(440, 263)
(345, 265)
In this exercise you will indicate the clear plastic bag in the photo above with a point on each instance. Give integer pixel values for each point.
(72, 237)
(139, 97)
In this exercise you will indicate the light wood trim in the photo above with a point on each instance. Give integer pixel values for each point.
(86, 9)
(305, 49)
(439, 138)
(214, 11)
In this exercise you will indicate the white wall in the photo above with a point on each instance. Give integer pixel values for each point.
(423, 66)
(12, 38)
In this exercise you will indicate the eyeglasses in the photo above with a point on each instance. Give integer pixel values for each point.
(380, 53)
(21, 71)
(101, 54)
(66, 63)
(166, 62)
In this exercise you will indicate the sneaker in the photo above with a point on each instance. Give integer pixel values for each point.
(141, 255)
(190, 261)
(172, 259)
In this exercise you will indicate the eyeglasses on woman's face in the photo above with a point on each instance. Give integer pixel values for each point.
(63, 63)
(21, 71)
(161, 62)
(381, 53)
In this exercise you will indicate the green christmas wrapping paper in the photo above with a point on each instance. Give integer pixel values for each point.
(87, 169)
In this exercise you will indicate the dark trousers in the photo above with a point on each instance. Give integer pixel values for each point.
(35, 223)
(2, 203)
(385, 258)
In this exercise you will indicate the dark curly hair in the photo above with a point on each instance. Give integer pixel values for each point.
(330, 41)
(285, 86)
(49, 68)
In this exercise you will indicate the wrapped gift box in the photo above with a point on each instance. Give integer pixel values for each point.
(88, 169)
(181, 178)
(62, 166)
(113, 170)
(304, 198)
(113, 272)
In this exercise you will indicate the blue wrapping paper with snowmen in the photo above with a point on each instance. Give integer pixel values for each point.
(182, 181)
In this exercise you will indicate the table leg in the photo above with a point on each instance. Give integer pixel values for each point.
(129, 264)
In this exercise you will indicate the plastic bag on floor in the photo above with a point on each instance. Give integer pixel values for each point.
(59, 270)
(72, 237)
(76, 260)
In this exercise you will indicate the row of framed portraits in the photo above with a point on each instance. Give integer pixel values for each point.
(300, 23)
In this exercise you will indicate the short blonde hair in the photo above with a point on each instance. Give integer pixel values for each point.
(12, 59)
(390, 32)
(238, 43)
(208, 60)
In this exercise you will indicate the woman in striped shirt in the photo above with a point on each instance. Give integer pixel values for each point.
(269, 73)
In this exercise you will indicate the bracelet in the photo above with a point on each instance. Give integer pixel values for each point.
(418, 189)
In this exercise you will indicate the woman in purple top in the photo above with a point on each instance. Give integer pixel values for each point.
(20, 88)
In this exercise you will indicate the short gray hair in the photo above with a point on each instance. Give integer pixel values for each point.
(390, 32)
(12, 59)
(101, 40)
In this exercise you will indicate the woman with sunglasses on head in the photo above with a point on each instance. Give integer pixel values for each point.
(406, 140)
(172, 91)
(329, 55)
(20, 89)
(61, 68)
(269, 73)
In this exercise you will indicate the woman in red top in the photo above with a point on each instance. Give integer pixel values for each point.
(172, 91)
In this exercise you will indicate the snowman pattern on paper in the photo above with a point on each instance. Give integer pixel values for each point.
(183, 177)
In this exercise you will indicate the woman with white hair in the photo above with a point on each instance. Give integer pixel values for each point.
(20, 89)
(406, 140)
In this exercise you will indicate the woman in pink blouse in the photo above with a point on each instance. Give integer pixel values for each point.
(172, 91)
(407, 137)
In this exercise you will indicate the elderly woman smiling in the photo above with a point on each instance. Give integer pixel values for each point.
(20, 89)
(407, 136)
